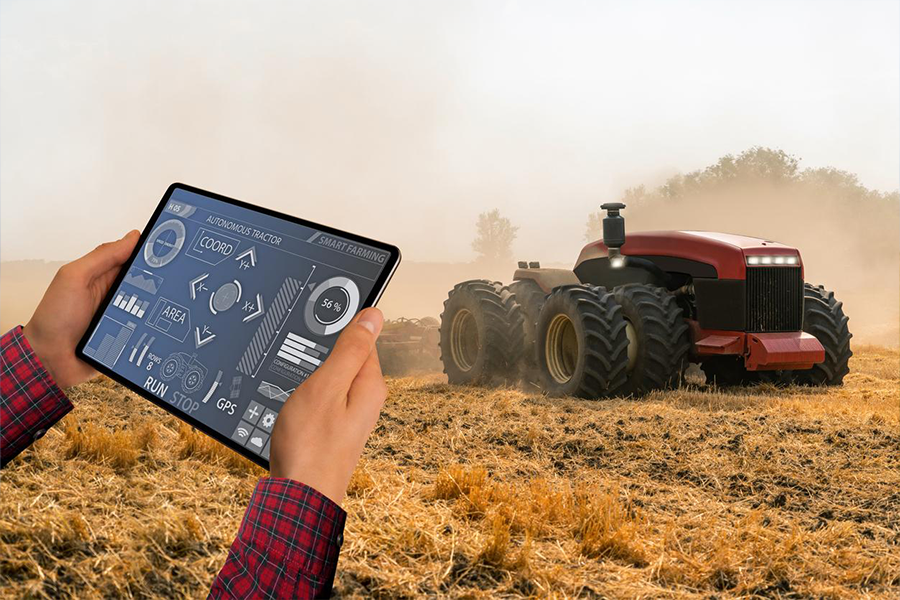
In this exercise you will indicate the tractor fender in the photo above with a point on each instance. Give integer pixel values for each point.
(548, 279)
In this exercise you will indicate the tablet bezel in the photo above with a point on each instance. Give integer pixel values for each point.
(373, 297)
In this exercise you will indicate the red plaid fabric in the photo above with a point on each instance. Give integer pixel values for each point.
(287, 545)
(30, 401)
(291, 535)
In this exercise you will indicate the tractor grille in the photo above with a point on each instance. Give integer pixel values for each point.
(774, 299)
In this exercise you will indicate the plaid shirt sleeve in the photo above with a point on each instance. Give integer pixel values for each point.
(287, 545)
(30, 401)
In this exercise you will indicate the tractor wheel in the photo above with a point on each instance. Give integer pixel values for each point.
(192, 380)
(169, 369)
(658, 338)
(530, 297)
(582, 348)
(823, 317)
(515, 335)
(478, 344)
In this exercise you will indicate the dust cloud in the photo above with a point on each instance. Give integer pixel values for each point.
(848, 235)
(850, 247)
(405, 124)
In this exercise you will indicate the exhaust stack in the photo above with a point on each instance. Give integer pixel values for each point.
(614, 232)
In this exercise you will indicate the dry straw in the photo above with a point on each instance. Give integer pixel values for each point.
(467, 492)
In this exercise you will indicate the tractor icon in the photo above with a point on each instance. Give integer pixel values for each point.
(185, 367)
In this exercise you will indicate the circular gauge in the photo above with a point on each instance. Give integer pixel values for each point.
(331, 305)
(164, 243)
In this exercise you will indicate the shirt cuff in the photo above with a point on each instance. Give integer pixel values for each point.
(32, 401)
(294, 523)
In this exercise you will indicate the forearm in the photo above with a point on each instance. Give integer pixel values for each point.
(30, 400)
(287, 545)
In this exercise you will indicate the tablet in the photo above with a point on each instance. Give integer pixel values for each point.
(224, 308)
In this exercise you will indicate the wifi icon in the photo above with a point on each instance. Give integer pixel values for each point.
(241, 433)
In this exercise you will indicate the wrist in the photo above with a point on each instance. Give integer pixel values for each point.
(43, 351)
(321, 482)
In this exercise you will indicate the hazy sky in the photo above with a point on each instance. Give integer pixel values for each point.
(404, 120)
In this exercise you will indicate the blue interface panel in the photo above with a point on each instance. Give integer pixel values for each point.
(226, 310)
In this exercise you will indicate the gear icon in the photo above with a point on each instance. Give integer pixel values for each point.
(268, 420)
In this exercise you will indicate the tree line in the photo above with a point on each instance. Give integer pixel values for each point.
(763, 169)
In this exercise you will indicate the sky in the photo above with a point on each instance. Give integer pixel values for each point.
(404, 120)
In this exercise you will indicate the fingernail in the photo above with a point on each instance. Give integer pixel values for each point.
(372, 320)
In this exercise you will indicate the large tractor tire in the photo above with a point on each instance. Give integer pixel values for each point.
(582, 347)
(530, 297)
(515, 333)
(658, 339)
(823, 317)
(479, 345)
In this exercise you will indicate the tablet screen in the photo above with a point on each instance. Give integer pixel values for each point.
(225, 310)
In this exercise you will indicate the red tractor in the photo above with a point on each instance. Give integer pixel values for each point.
(633, 313)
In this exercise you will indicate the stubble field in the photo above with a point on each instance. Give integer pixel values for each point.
(467, 492)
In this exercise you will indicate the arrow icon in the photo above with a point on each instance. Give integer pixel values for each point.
(197, 285)
(202, 342)
(258, 312)
(251, 251)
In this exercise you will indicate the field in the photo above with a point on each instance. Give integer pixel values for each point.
(482, 493)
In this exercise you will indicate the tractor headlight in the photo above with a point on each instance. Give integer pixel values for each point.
(617, 262)
(772, 259)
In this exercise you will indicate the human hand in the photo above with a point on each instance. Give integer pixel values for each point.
(68, 305)
(321, 431)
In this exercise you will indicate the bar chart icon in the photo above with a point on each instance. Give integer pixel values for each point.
(131, 304)
(108, 340)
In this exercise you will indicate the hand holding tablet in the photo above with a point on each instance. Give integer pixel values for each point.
(333, 413)
(69, 304)
(224, 309)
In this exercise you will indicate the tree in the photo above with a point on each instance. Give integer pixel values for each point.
(754, 165)
(494, 237)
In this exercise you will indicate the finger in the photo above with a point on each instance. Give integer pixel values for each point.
(369, 381)
(107, 256)
(351, 351)
(368, 391)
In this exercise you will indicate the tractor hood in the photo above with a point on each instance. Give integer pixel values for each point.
(704, 253)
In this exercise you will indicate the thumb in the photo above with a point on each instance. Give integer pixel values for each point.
(106, 256)
(351, 350)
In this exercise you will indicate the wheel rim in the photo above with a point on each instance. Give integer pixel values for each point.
(192, 380)
(169, 368)
(631, 334)
(464, 340)
(561, 348)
